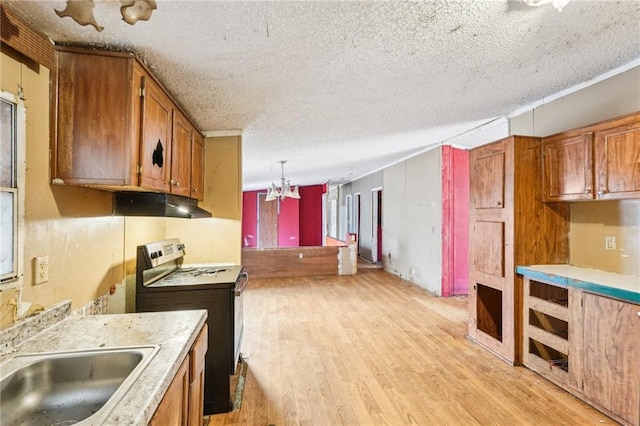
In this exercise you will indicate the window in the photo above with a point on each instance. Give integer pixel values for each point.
(12, 124)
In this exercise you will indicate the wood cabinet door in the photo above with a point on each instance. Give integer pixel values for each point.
(197, 166)
(94, 120)
(611, 371)
(181, 155)
(487, 176)
(155, 149)
(196, 378)
(567, 168)
(174, 407)
(617, 154)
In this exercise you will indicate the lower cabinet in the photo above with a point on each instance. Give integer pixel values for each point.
(585, 343)
(546, 331)
(196, 375)
(611, 368)
(183, 402)
(174, 407)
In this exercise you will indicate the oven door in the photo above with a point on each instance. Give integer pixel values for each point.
(238, 320)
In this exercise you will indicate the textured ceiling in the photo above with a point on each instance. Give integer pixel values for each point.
(343, 88)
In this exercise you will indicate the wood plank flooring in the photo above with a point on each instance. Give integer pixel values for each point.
(372, 349)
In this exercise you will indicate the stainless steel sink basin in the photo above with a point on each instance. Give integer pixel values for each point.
(63, 388)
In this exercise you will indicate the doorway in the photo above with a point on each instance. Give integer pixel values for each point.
(267, 222)
(356, 216)
(376, 225)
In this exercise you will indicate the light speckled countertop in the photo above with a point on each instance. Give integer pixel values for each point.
(175, 333)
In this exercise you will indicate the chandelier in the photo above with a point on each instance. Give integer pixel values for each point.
(284, 191)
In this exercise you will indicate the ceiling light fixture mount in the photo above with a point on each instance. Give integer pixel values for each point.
(132, 11)
(558, 4)
(285, 190)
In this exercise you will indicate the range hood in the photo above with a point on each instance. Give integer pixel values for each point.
(131, 203)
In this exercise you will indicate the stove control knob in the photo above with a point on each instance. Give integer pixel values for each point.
(152, 255)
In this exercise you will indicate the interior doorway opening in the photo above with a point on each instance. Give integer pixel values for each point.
(376, 225)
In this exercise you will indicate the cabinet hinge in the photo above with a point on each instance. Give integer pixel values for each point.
(139, 169)
(142, 92)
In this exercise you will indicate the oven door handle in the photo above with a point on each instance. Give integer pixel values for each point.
(243, 285)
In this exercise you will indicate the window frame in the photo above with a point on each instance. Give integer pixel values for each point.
(11, 279)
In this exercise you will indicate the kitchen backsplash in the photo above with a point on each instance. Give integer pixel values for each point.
(30, 326)
(592, 222)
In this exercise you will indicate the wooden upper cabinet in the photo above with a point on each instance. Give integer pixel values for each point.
(197, 166)
(95, 101)
(156, 148)
(598, 162)
(181, 155)
(116, 126)
(617, 162)
(487, 177)
(568, 172)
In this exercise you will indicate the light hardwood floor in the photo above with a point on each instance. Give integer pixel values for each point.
(375, 350)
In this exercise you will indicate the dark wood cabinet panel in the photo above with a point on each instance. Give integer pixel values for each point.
(155, 157)
(181, 156)
(196, 378)
(488, 254)
(197, 166)
(488, 181)
(95, 101)
(617, 154)
(568, 172)
(610, 369)
(174, 407)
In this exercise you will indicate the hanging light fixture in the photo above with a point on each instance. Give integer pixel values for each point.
(285, 190)
(558, 4)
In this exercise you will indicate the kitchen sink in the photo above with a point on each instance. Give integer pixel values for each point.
(74, 387)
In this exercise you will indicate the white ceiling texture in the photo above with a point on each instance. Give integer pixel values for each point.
(341, 88)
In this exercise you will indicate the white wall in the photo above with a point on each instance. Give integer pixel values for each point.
(610, 98)
(412, 220)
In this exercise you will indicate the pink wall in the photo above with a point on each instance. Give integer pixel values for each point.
(299, 221)
(289, 223)
(250, 218)
(455, 221)
(311, 215)
(461, 221)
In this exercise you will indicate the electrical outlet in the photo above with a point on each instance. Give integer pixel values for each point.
(609, 243)
(41, 270)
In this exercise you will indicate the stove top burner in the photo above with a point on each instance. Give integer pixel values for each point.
(199, 275)
(195, 271)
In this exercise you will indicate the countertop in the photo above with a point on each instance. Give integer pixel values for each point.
(618, 286)
(175, 333)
